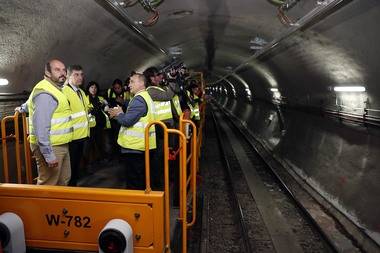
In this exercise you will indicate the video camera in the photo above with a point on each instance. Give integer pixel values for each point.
(175, 70)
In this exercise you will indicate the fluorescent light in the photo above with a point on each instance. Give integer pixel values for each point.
(349, 88)
(3, 82)
(256, 47)
(258, 41)
(274, 89)
(277, 95)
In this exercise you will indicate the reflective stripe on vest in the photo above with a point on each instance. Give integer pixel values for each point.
(92, 119)
(133, 137)
(108, 122)
(194, 109)
(163, 110)
(177, 105)
(61, 131)
(79, 109)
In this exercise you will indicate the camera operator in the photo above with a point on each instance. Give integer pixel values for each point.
(178, 74)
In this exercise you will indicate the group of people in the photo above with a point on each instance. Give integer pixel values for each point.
(65, 122)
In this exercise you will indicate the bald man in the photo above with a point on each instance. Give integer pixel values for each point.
(50, 126)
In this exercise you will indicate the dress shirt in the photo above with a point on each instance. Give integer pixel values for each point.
(45, 105)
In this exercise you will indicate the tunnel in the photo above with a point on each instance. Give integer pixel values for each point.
(300, 76)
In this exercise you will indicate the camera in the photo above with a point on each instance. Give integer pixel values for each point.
(12, 233)
(116, 236)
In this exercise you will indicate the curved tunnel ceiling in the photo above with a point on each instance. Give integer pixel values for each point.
(340, 48)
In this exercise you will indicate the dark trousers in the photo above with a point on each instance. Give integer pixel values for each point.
(157, 164)
(95, 147)
(135, 170)
(113, 136)
(76, 152)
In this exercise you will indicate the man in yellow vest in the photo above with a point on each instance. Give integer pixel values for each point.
(162, 99)
(50, 126)
(79, 104)
(131, 135)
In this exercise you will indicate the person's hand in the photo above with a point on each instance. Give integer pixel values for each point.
(115, 111)
(53, 163)
(18, 109)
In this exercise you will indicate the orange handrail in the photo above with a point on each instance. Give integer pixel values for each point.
(182, 187)
(183, 176)
(16, 137)
(202, 109)
(148, 188)
(28, 160)
(193, 168)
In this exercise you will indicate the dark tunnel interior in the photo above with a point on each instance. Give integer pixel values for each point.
(287, 79)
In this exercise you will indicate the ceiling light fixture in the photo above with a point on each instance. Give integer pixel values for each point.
(257, 43)
(349, 88)
(3, 82)
(274, 89)
(175, 50)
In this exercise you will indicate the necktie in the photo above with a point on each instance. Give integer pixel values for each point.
(80, 95)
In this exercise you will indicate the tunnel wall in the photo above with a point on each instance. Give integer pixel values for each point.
(338, 159)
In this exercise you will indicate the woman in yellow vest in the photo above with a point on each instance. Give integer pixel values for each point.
(98, 121)
(116, 97)
(131, 135)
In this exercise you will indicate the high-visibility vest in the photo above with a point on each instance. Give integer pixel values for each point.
(108, 122)
(61, 130)
(177, 105)
(194, 108)
(91, 117)
(163, 110)
(134, 137)
(79, 110)
(126, 94)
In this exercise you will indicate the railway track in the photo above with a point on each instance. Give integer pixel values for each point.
(248, 207)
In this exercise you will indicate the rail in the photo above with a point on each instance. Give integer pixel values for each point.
(16, 137)
(182, 180)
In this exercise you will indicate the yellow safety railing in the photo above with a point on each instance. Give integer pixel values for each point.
(16, 137)
(182, 179)
(193, 157)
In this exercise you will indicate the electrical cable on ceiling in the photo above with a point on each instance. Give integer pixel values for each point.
(284, 19)
(152, 20)
(149, 6)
